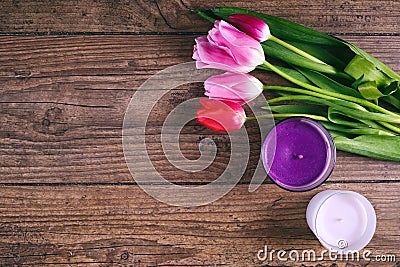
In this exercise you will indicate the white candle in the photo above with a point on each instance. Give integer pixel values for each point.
(343, 221)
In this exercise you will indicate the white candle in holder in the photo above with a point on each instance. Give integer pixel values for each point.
(343, 221)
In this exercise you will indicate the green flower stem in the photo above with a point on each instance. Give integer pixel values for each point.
(295, 49)
(289, 98)
(287, 115)
(390, 127)
(362, 102)
(344, 107)
(275, 50)
(297, 90)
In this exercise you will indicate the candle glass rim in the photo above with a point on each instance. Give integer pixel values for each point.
(330, 152)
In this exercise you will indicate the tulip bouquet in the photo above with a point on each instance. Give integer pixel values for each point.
(352, 94)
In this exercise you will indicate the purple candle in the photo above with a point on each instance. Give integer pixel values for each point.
(304, 154)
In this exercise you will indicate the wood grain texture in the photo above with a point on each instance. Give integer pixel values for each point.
(339, 16)
(62, 115)
(27, 57)
(62, 97)
(68, 70)
(107, 225)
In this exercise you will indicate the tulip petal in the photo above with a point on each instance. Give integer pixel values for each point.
(216, 57)
(220, 116)
(253, 26)
(239, 88)
(245, 49)
(227, 48)
(236, 37)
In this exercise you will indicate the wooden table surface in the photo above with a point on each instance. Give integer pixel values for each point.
(68, 70)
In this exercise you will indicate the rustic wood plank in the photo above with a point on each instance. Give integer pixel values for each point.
(29, 57)
(66, 195)
(81, 142)
(95, 155)
(122, 225)
(372, 16)
(54, 56)
(62, 115)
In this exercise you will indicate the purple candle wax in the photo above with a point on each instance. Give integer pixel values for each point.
(304, 154)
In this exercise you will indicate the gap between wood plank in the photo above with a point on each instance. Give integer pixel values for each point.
(167, 33)
(184, 183)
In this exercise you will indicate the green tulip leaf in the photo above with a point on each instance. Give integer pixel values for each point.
(360, 67)
(298, 109)
(355, 131)
(277, 51)
(369, 90)
(374, 146)
(378, 64)
(327, 83)
(391, 99)
(279, 27)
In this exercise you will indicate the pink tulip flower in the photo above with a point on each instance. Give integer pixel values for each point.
(253, 26)
(221, 116)
(227, 48)
(235, 87)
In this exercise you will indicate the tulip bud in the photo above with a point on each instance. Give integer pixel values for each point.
(235, 87)
(253, 26)
(221, 116)
(227, 48)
